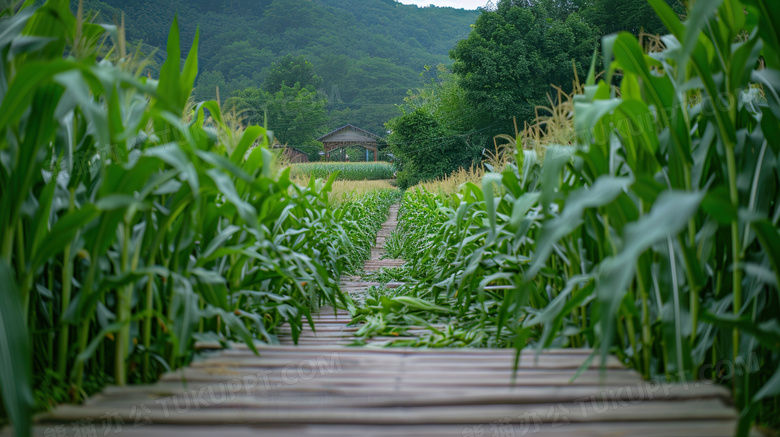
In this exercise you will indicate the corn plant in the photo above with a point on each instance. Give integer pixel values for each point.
(134, 224)
(362, 218)
(655, 238)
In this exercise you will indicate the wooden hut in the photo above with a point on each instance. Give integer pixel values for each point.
(348, 136)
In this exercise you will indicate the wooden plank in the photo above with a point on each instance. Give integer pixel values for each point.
(294, 396)
(332, 327)
(431, 362)
(280, 379)
(564, 377)
(723, 428)
(165, 413)
(336, 334)
(571, 358)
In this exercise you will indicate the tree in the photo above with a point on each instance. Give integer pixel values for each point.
(633, 16)
(296, 115)
(208, 83)
(516, 52)
(368, 52)
(427, 150)
(241, 58)
(436, 134)
(291, 71)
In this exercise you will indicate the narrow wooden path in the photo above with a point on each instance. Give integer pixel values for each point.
(323, 388)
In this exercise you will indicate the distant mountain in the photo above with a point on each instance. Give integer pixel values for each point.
(368, 52)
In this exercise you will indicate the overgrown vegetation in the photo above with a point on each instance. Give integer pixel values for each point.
(135, 223)
(654, 238)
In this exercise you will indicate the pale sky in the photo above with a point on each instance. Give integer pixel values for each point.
(462, 4)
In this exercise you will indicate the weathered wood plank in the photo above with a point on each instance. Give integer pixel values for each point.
(215, 375)
(165, 412)
(434, 363)
(298, 396)
(717, 428)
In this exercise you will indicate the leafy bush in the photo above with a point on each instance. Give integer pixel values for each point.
(427, 149)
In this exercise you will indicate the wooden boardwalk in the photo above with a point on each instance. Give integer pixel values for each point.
(324, 388)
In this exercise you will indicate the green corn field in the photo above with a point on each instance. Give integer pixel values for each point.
(347, 171)
(134, 225)
(655, 239)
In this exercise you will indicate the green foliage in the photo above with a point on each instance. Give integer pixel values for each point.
(653, 239)
(634, 16)
(426, 149)
(240, 62)
(368, 52)
(295, 114)
(345, 171)
(290, 72)
(288, 104)
(514, 53)
(15, 355)
(133, 227)
(437, 133)
(208, 83)
(362, 218)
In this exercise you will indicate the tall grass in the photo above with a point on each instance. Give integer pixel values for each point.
(344, 191)
(453, 182)
(655, 238)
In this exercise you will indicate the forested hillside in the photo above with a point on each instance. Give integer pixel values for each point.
(368, 53)
(305, 67)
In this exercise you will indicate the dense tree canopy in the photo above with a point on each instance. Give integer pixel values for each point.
(242, 59)
(633, 16)
(505, 68)
(368, 52)
(291, 71)
(295, 114)
(516, 52)
(426, 148)
(436, 133)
